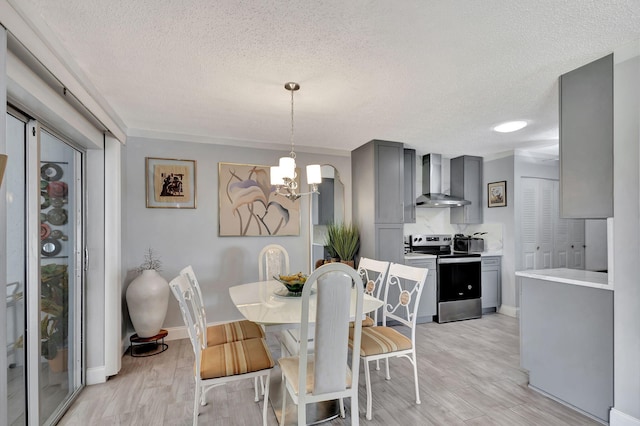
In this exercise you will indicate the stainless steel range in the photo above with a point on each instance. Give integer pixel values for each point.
(459, 290)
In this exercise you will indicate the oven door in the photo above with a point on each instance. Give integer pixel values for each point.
(459, 278)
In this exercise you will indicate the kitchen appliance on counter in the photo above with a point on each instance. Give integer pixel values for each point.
(459, 289)
(468, 243)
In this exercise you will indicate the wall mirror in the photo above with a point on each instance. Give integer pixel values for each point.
(326, 207)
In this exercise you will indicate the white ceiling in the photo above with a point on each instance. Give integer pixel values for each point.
(436, 75)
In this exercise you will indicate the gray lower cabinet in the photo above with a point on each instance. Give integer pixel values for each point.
(466, 182)
(491, 282)
(586, 141)
(566, 342)
(428, 306)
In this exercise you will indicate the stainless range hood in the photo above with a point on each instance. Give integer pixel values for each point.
(432, 185)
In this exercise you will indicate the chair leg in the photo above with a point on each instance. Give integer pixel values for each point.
(367, 379)
(415, 377)
(342, 414)
(256, 393)
(302, 411)
(196, 403)
(283, 392)
(377, 364)
(386, 363)
(355, 411)
(265, 400)
(262, 384)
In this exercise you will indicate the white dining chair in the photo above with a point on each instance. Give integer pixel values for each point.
(217, 334)
(224, 363)
(373, 273)
(272, 260)
(331, 372)
(405, 283)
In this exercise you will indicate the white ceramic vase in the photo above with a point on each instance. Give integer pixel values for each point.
(147, 300)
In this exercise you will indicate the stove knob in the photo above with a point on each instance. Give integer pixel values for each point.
(469, 286)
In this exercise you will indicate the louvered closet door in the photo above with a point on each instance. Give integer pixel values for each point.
(536, 229)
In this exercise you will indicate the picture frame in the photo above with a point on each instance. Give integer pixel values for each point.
(497, 194)
(170, 183)
(248, 205)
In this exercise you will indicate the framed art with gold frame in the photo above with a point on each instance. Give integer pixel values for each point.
(171, 184)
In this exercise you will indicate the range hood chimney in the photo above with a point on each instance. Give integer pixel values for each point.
(432, 185)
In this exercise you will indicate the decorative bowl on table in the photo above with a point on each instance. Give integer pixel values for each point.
(294, 283)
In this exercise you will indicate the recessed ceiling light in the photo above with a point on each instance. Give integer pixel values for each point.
(510, 126)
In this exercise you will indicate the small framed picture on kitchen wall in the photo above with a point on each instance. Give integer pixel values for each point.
(497, 194)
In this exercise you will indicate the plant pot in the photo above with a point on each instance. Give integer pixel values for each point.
(349, 262)
(60, 362)
(147, 300)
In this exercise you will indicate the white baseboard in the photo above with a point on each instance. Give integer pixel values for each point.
(618, 418)
(177, 333)
(96, 375)
(511, 311)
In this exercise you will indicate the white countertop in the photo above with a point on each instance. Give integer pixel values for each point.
(570, 276)
(419, 256)
(491, 253)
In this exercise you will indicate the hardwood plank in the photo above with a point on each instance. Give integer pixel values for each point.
(468, 371)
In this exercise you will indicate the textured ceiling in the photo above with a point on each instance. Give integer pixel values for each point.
(436, 75)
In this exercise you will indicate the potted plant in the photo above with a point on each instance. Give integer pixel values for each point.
(148, 297)
(343, 240)
(54, 325)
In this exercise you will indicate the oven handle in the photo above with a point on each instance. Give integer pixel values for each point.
(459, 260)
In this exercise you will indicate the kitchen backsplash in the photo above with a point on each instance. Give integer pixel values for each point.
(436, 221)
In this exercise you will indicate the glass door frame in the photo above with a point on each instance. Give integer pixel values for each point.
(33, 278)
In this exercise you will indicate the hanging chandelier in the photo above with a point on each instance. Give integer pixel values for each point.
(283, 176)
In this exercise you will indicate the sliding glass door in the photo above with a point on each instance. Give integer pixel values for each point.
(60, 273)
(45, 246)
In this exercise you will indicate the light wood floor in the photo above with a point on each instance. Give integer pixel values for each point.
(468, 370)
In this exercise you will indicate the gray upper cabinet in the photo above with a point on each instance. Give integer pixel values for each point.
(409, 185)
(586, 141)
(377, 173)
(466, 182)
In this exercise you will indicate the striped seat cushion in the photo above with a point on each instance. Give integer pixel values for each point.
(291, 371)
(366, 322)
(240, 357)
(233, 332)
(380, 340)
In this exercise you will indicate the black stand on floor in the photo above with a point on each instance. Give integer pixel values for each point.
(148, 346)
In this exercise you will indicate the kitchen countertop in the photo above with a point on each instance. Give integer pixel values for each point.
(419, 256)
(570, 276)
(433, 256)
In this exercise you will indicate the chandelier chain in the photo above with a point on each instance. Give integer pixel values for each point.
(292, 153)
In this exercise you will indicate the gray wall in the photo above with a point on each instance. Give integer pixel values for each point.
(494, 171)
(190, 236)
(626, 238)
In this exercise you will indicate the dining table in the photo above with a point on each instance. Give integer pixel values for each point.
(270, 304)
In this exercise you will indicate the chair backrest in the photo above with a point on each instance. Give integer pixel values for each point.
(336, 298)
(183, 292)
(373, 273)
(402, 295)
(272, 260)
(197, 298)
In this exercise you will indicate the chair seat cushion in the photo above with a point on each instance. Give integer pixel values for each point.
(381, 340)
(366, 322)
(229, 359)
(290, 370)
(233, 332)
